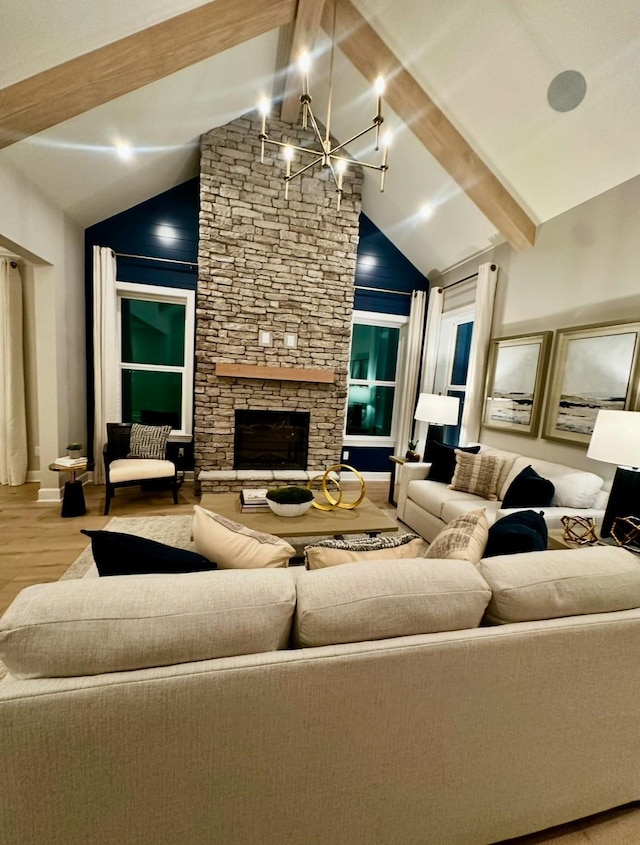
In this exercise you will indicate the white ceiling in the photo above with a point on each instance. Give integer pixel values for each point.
(486, 64)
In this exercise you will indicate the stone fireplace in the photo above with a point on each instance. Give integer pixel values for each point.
(270, 268)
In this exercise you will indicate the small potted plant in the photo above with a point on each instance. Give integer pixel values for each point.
(74, 449)
(411, 454)
(289, 501)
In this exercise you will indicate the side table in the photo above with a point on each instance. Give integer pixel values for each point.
(396, 460)
(73, 503)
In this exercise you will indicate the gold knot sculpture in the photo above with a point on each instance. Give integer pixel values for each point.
(579, 529)
(335, 501)
(626, 531)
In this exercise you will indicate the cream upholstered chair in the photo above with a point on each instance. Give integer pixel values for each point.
(124, 469)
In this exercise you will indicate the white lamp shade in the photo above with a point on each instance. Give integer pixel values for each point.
(616, 438)
(437, 409)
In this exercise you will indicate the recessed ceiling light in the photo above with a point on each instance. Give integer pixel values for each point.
(426, 211)
(124, 150)
(566, 90)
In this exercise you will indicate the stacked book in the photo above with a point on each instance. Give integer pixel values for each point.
(254, 500)
(70, 463)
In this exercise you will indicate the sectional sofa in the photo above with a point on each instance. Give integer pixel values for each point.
(427, 506)
(404, 702)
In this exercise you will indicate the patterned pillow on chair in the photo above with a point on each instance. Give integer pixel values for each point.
(149, 441)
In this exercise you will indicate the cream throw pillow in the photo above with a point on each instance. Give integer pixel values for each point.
(234, 546)
(337, 552)
(477, 474)
(465, 538)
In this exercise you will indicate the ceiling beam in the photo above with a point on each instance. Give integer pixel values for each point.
(305, 32)
(123, 66)
(370, 55)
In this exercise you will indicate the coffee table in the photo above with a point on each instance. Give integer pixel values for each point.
(365, 519)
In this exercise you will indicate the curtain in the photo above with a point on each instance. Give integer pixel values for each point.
(479, 352)
(13, 415)
(430, 355)
(412, 370)
(105, 356)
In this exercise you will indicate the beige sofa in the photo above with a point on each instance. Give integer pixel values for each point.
(427, 506)
(356, 705)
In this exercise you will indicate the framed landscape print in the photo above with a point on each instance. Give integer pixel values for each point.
(515, 382)
(594, 367)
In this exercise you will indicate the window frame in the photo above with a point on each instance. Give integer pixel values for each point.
(449, 323)
(394, 321)
(178, 296)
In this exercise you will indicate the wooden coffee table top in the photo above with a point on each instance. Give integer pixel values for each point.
(365, 519)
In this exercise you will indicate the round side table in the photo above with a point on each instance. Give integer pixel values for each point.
(73, 503)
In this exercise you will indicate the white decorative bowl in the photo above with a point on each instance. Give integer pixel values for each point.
(289, 510)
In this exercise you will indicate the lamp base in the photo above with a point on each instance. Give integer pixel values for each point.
(624, 499)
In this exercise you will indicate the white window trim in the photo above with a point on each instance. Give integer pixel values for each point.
(373, 318)
(449, 323)
(156, 293)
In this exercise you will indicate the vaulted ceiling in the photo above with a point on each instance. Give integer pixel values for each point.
(474, 135)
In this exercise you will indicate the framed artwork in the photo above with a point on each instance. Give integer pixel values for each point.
(594, 367)
(515, 382)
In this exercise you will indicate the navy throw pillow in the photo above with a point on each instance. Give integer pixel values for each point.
(525, 531)
(529, 490)
(128, 554)
(443, 459)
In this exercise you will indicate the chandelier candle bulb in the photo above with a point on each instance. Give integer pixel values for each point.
(386, 143)
(378, 119)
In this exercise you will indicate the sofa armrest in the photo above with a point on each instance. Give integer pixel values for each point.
(410, 472)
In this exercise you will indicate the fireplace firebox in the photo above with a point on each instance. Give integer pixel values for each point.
(271, 440)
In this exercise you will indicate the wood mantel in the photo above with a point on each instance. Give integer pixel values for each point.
(275, 373)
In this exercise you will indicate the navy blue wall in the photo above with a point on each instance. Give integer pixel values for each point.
(380, 266)
(135, 232)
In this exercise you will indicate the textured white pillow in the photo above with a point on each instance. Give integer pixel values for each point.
(234, 546)
(576, 489)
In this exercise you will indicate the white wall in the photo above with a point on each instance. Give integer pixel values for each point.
(32, 227)
(583, 269)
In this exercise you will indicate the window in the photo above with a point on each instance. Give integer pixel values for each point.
(155, 343)
(453, 362)
(376, 345)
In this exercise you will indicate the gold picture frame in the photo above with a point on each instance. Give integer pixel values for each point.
(594, 367)
(516, 374)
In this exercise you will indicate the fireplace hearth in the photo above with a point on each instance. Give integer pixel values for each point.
(271, 440)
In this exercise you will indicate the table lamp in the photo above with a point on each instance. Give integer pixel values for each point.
(616, 440)
(437, 411)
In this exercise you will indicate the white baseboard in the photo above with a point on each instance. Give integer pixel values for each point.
(50, 494)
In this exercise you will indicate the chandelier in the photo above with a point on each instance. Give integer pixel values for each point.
(334, 158)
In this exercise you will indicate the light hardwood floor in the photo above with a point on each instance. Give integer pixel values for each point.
(37, 545)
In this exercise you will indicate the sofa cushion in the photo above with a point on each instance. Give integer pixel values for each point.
(523, 531)
(234, 546)
(381, 599)
(443, 459)
(116, 553)
(88, 627)
(477, 474)
(549, 584)
(433, 496)
(149, 441)
(335, 552)
(137, 469)
(528, 490)
(463, 539)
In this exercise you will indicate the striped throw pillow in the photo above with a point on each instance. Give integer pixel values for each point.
(477, 474)
(149, 441)
(464, 538)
